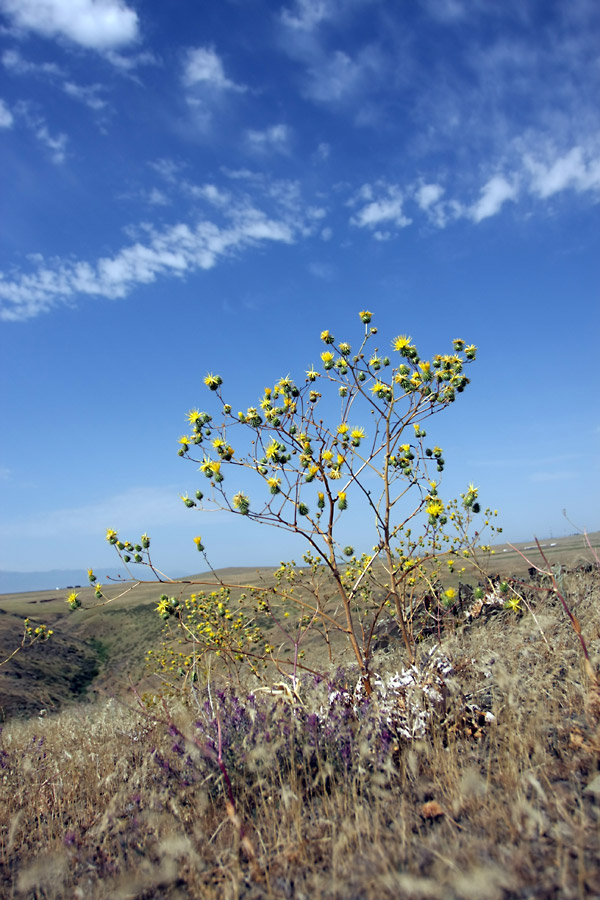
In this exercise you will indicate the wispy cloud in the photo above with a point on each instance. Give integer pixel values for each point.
(338, 78)
(177, 251)
(203, 68)
(379, 204)
(307, 15)
(304, 15)
(494, 195)
(275, 138)
(93, 24)
(87, 94)
(572, 170)
(447, 11)
(6, 117)
(14, 62)
(56, 144)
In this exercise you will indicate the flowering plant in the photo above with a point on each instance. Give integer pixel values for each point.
(312, 462)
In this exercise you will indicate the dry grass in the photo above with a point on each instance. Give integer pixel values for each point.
(128, 801)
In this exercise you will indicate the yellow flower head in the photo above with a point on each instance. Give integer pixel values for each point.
(357, 434)
(272, 450)
(343, 428)
(193, 416)
(435, 508)
(402, 342)
(213, 381)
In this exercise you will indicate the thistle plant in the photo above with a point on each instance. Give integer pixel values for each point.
(32, 634)
(349, 436)
(312, 461)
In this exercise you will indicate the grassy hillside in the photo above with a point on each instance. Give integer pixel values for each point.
(102, 650)
(474, 774)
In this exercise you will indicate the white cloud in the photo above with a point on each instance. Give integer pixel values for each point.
(6, 117)
(15, 63)
(337, 77)
(323, 151)
(493, 196)
(55, 143)
(445, 10)
(307, 14)
(203, 67)
(387, 208)
(428, 194)
(429, 199)
(568, 171)
(168, 169)
(175, 251)
(157, 198)
(212, 194)
(276, 137)
(127, 63)
(87, 94)
(95, 24)
(325, 271)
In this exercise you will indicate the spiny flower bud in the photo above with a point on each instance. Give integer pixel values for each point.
(242, 503)
(213, 382)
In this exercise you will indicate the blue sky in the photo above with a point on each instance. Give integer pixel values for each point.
(205, 187)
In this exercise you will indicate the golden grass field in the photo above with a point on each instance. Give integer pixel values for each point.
(496, 797)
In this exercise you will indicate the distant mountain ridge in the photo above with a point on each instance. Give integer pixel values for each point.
(19, 582)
